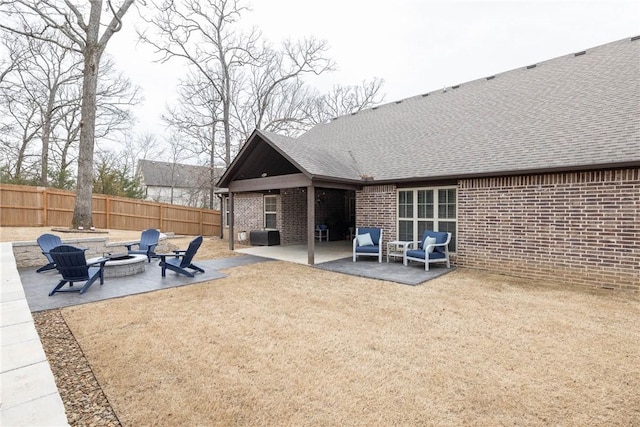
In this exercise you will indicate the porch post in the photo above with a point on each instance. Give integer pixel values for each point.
(231, 220)
(311, 222)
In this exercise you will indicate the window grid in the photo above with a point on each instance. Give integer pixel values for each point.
(225, 203)
(270, 216)
(415, 218)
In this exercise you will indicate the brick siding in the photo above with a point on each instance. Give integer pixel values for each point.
(291, 210)
(579, 228)
(249, 213)
(292, 216)
(376, 207)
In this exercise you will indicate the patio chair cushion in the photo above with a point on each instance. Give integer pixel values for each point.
(372, 249)
(440, 237)
(428, 241)
(419, 253)
(365, 240)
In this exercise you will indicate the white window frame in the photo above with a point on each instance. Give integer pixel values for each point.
(225, 211)
(274, 212)
(435, 218)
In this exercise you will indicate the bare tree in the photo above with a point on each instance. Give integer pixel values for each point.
(276, 93)
(205, 35)
(20, 119)
(41, 75)
(343, 100)
(76, 27)
(197, 117)
(177, 154)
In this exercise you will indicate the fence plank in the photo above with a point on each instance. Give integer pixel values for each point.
(22, 206)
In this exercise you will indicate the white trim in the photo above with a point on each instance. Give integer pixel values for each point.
(273, 212)
(434, 218)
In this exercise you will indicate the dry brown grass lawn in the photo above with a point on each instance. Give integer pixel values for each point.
(283, 344)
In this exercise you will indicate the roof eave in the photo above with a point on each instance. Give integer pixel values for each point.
(512, 172)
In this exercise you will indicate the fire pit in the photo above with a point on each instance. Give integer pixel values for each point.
(122, 264)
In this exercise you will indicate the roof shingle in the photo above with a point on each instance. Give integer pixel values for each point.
(574, 111)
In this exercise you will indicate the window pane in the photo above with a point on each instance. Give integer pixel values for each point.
(405, 204)
(447, 203)
(270, 207)
(425, 204)
(405, 231)
(270, 220)
(424, 225)
(450, 227)
(270, 203)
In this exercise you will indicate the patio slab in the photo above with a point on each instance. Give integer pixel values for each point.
(324, 251)
(336, 256)
(37, 285)
(413, 274)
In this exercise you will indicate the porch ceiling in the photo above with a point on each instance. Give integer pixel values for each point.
(262, 160)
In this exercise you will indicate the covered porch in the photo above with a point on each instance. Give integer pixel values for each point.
(292, 200)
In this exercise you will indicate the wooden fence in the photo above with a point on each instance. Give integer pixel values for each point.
(24, 206)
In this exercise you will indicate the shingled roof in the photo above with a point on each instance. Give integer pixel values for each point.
(577, 111)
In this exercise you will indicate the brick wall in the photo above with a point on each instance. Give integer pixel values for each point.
(576, 228)
(249, 213)
(376, 207)
(291, 213)
(292, 216)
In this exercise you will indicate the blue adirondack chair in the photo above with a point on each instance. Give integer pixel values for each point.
(72, 266)
(46, 243)
(179, 261)
(147, 245)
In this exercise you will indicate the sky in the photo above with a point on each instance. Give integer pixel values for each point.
(415, 46)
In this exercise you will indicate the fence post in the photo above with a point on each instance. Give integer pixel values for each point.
(45, 207)
(201, 223)
(160, 216)
(107, 205)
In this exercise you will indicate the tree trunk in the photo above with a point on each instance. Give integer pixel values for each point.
(212, 164)
(46, 136)
(83, 214)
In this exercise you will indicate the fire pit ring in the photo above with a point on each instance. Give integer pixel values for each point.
(120, 265)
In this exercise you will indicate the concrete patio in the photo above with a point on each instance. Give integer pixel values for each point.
(324, 251)
(336, 256)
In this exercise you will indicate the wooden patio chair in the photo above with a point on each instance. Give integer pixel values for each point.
(72, 266)
(180, 261)
(147, 245)
(46, 243)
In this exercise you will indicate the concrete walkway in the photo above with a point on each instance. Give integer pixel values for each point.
(28, 392)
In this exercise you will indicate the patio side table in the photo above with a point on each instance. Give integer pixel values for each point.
(395, 248)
